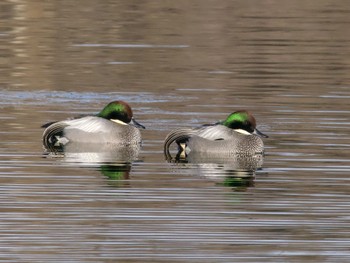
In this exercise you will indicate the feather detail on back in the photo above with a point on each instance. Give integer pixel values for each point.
(209, 132)
(88, 124)
(215, 132)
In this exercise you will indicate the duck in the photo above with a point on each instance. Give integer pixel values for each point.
(114, 124)
(237, 134)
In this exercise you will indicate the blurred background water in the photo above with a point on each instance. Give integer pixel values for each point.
(178, 64)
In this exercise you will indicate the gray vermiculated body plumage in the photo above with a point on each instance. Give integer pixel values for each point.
(236, 135)
(225, 141)
(217, 139)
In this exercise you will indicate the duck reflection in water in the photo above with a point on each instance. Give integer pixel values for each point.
(118, 174)
(237, 171)
(113, 162)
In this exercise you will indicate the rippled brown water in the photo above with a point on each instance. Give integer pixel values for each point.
(179, 64)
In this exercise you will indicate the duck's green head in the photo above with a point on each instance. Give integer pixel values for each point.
(242, 121)
(119, 111)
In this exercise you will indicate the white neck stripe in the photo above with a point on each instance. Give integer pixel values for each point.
(242, 131)
(119, 122)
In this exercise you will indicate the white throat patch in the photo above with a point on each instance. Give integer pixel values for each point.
(119, 122)
(242, 131)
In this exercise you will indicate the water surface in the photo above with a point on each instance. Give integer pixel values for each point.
(178, 64)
